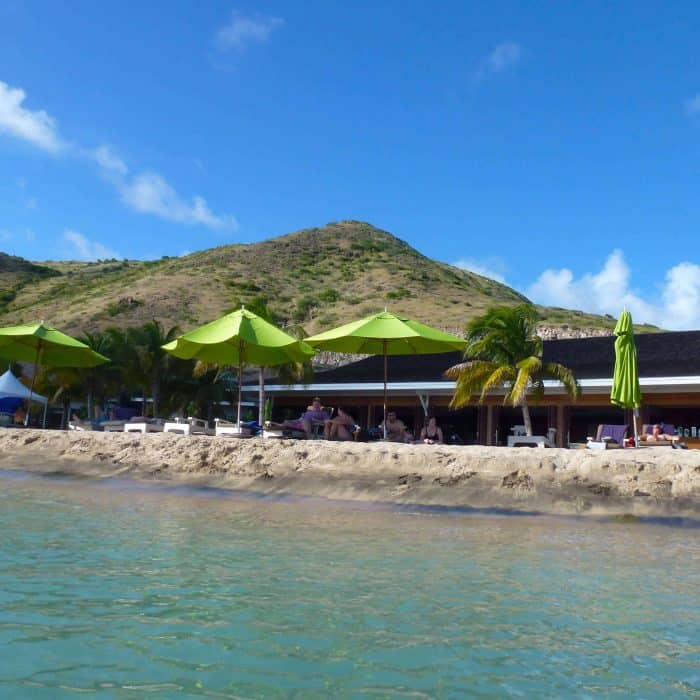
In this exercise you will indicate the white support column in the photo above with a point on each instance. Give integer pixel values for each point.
(424, 402)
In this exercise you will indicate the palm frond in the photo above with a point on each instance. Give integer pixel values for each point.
(566, 376)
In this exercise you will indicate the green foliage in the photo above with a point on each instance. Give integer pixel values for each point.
(503, 349)
(329, 296)
(7, 296)
(123, 305)
(400, 293)
(304, 307)
(334, 269)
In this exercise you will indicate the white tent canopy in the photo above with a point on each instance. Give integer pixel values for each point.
(11, 386)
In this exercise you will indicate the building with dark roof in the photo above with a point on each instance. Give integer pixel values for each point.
(669, 369)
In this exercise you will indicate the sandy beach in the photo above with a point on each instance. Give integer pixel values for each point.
(646, 481)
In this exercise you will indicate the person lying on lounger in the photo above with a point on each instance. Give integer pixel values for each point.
(657, 435)
(341, 427)
(314, 413)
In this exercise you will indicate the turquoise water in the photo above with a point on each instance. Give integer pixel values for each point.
(119, 590)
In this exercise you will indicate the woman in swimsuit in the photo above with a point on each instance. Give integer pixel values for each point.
(431, 433)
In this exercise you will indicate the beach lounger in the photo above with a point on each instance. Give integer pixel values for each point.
(113, 426)
(608, 437)
(224, 428)
(188, 426)
(144, 425)
(82, 425)
(520, 439)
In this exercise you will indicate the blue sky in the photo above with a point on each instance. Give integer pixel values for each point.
(554, 145)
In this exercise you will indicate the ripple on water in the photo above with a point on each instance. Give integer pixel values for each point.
(128, 591)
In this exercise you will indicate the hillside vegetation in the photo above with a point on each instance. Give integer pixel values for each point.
(316, 278)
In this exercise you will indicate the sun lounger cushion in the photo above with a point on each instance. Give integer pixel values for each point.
(125, 413)
(666, 428)
(615, 432)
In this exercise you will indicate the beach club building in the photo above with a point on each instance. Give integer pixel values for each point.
(669, 369)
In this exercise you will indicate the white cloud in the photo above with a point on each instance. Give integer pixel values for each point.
(681, 295)
(147, 192)
(503, 56)
(109, 161)
(85, 249)
(608, 291)
(692, 106)
(38, 128)
(241, 31)
(493, 268)
(150, 193)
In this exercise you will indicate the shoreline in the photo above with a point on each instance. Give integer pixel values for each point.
(643, 482)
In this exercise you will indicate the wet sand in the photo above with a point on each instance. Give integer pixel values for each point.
(657, 481)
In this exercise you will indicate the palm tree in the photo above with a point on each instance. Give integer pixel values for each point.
(503, 349)
(97, 380)
(139, 354)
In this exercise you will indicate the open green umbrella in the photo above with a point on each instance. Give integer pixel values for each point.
(625, 386)
(240, 338)
(43, 345)
(386, 334)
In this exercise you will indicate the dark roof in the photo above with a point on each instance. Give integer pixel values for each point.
(658, 354)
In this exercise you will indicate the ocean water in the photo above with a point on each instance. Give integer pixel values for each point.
(121, 590)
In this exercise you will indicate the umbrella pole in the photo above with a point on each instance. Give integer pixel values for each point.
(31, 388)
(635, 425)
(385, 375)
(240, 375)
(261, 395)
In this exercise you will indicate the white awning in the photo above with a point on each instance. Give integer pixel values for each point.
(650, 385)
(11, 386)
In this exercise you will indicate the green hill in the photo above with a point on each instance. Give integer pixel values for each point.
(317, 277)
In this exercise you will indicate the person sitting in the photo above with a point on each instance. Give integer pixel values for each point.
(395, 431)
(341, 427)
(78, 423)
(657, 434)
(313, 414)
(431, 434)
(20, 416)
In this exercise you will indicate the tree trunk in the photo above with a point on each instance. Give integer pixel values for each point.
(155, 393)
(527, 422)
(65, 416)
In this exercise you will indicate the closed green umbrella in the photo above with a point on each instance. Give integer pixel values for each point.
(386, 334)
(236, 339)
(625, 387)
(43, 345)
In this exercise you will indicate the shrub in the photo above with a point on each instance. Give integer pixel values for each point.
(400, 293)
(329, 295)
(304, 307)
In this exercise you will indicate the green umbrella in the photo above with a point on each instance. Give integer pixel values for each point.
(386, 334)
(43, 345)
(625, 386)
(236, 339)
